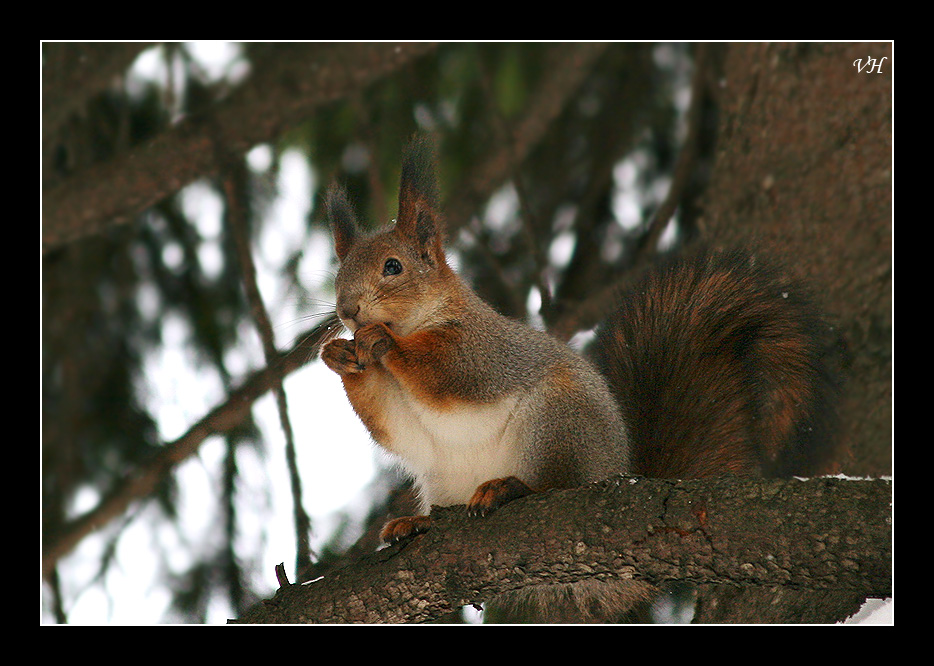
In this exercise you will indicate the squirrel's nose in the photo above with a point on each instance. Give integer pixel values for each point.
(347, 309)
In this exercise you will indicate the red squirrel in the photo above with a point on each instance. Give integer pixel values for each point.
(710, 365)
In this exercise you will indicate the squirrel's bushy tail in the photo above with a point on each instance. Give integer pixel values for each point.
(719, 365)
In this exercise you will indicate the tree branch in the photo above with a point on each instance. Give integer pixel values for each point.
(589, 312)
(73, 72)
(235, 185)
(822, 534)
(226, 416)
(572, 63)
(284, 89)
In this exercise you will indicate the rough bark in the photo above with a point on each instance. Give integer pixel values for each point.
(829, 537)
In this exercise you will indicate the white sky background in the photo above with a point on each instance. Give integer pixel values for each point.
(336, 457)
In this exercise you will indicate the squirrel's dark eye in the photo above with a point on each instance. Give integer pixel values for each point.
(392, 267)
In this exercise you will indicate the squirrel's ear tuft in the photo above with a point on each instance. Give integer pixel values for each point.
(420, 215)
(342, 219)
(419, 181)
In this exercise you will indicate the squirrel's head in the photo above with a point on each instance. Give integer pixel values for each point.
(399, 276)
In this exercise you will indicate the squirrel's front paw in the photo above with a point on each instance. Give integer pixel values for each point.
(340, 355)
(402, 529)
(373, 341)
(494, 493)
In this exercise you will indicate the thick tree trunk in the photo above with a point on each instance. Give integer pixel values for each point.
(804, 169)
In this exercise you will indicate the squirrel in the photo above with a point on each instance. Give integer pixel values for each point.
(709, 365)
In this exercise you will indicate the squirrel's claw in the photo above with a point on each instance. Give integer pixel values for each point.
(404, 528)
(340, 355)
(495, 493)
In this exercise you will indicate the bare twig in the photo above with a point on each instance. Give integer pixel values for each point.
(687, 160)
(235, 184)
(281, 576)
(571, 64)
(590, 311)
(526, 214)
(223, 418)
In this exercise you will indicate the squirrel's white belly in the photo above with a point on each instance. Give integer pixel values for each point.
(452, 451)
